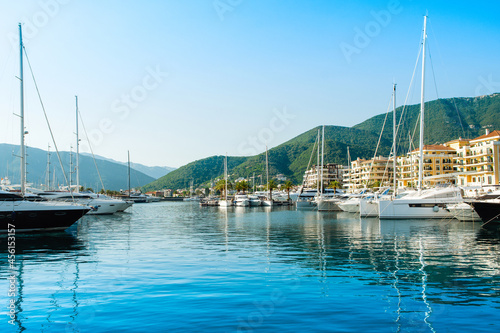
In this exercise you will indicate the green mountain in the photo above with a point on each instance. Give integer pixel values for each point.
(445, 120)
(114, 175)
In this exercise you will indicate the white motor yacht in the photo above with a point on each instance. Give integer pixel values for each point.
(241, 200)
(99, 206)
(425, 204)
(254, 201)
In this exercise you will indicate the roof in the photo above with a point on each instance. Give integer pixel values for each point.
(492, 134)
(434, 147)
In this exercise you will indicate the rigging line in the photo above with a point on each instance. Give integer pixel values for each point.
(91, 150)
(433, 73)
(379, 139)
(310, 159)
(405, 104)
(48, 123)
(446, 75)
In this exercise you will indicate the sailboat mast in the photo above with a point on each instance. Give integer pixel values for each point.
(422, 109)
(77, 149)
(225, 178)
(395, 154)
(47, 177)
(128, 171)
(21, 115)
(317, 166)
(267, 170)
(322, 158)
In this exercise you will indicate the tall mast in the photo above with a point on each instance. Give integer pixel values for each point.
(267, 171)
(395, 154)
(128, 170)
(349, 167)
(422, 109)
(317, 166)
(322, 158)
(47, 176)
(77, 149)
(225, 178)
(70, 167)
(21, 115)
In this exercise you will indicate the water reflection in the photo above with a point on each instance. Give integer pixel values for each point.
(33, 253)
(211, 263)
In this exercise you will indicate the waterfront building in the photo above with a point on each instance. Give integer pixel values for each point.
(438, 166)
(369, 173)
(331, 172)
(478, 161)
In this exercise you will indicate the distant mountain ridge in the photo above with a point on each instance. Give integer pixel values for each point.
(154, 171)
(445, 120)
(114, 175)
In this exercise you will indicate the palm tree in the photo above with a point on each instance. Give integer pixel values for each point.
(288, 186)
(335, 185)
(242, 186)
(221, 186)
(271, 185)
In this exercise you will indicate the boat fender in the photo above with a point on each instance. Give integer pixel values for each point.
(94, 208)
(435, 209)
(13, 216)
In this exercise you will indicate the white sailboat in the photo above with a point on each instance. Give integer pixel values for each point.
(21, 215)
(306, 198)
(368, 206)
(269, 200)
(225, 203)
(423, 204)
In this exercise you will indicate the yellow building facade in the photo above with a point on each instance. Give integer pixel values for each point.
(438, 166)
(367, 173)
(477, 162)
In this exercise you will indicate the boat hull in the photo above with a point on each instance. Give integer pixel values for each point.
(328, 205)
(395, 209)
(368, 208)
(463, 212)
(306, 205)
(488, 211)
(39, 220)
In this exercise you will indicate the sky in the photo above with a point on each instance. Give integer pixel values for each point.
(173, 81)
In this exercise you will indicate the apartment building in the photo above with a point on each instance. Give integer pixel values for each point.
(367, 173)
(477, 162)
(438, 166)
(331, 172)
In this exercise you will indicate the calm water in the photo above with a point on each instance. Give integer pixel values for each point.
(176, 267)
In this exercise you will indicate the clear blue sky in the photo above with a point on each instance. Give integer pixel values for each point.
(176, 81)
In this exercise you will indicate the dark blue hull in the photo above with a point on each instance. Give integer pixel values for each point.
(488, 211)
(39, 220)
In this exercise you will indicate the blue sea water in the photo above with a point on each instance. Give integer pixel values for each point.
(176, 267)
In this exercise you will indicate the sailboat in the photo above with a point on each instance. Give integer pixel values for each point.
(100, 203)
(225, 203)
(325, 202)
(422, 204)
(306, 198)
(21, 215)
(269, 200)
(368, 206)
